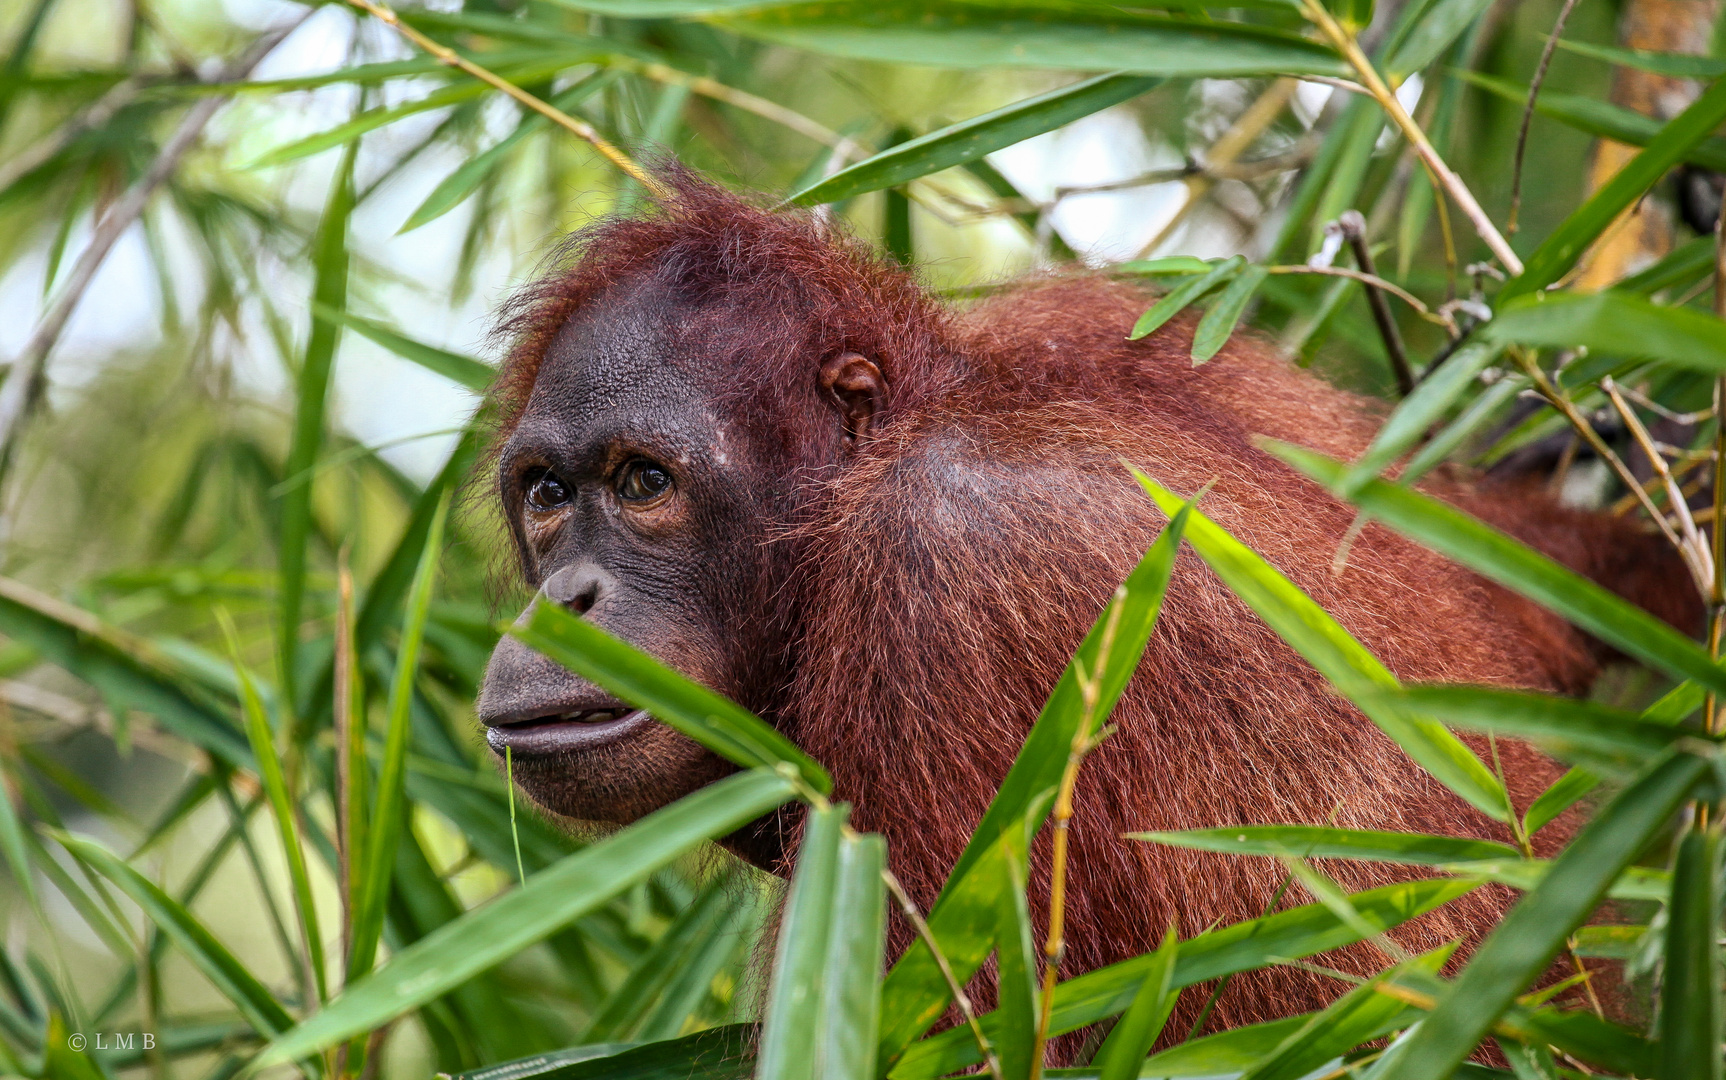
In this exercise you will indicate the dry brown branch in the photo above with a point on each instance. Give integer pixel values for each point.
(581, 129)
(1442, 174)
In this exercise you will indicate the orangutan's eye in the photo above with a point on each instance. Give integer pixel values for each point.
(545, 492)
(641, 481)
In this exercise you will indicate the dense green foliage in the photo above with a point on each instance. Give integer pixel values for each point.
(243, 809)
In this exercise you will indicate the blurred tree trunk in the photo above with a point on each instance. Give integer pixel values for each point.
(1644, 232)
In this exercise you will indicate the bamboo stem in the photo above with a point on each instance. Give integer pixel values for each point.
(1345, 43)
(581, 129)
(1353, 227)
(1693, 549)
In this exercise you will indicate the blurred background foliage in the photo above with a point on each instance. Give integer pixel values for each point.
(197, 441)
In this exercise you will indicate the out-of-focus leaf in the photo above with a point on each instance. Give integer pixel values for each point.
(851, 996)
(1225, 313)
(1176, 299)
(1601, 119)
(1565, 244)
(1124, 1051)
(1608, 942)
(1636, 883)
(1614, 322)
(1690, 985)
(1476, 416)
(237, 984)
(724, 1053)
(791, 1026)
(1434, 31)
(1519, 568)
(1681, 267)
(971, 139)
(628, 1005)
(551, 899)
(1602, 739)
(959, 35)
(1527, 939)
(1319, 842)
(1673, 65)
(1354, 671)
(1286, 935)
(1555, 800)
(465, 371)
(711, 720)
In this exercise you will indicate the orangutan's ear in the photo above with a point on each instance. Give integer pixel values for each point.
(856, 388)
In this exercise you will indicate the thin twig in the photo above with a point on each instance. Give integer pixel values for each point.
(1442, 174)
(1693, 550)
(25, 385)
(1528, 113)
(1230, 145)
(581, 129)
(1256, 169)
(960, 998)
(1369, 279)
(1353, 227)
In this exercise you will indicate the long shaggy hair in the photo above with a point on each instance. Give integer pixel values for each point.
(945, 575)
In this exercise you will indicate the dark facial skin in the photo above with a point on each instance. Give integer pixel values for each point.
(637, 502)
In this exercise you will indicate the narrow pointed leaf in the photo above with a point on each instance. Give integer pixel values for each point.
(851, 997)
(1127, 1046)
(1617, 323)
(1416, 414)
(1319, 842)
(1327, 646)
(552, 899)
(1219, 322)
(1690, 985)
(1176, 299)
(722, 726)
(791, 1035)
(970, 139)
(1527, 939)
(464, 371)
(1016, 973)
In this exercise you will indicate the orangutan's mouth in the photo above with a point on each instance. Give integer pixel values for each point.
(571, 730)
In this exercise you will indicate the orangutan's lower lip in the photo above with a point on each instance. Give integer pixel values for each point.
(565, 732)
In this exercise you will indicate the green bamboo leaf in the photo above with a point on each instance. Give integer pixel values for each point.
(1636, 883)
(688, 994)
(1601, 119)
(1565, 244)
(1479, 413)
(466, 179)
(281, 800)
(228, 975)
(551, 899)
(851, 997)
(1608, 942)
(1176, 299)
(791, 1024)
(1320, 842)
(1354, 671)
(1215, 329)
(1362, 1014)
(1555, 800)
(970, 139)
(1417, 413)
(1529, 936)
(385, 821)
(1604, 740)
(628, 1005)
(1517, 567)
(311, 393)
(1690, 985)
(724, 1053)
(1436, 29)
(720, 725)
(371, 119)
(1616, 323)
(1016, 972)
(1168, 264)
(12, 843)
(1673, 65)
(464, 371)
(1225, 1053)
(1681, 268)
(957, 35)
(1123, 1052)
(1286, 935)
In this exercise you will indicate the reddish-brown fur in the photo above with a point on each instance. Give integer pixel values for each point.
(946, 574)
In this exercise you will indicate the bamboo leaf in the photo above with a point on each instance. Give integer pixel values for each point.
(1565, 244)
(1354, 671)
(1016, 972)
(551, 900)
(1219, 322)
(1319, 842)
(465, 371)
(1176, 299)
(1616, 323)
(1517, 567)
(1418, 412)
(1601, 119)
(628, 1005)
(1690, 985)
(851, 997)
(1124, 1051)
(387, 811)
(1435, 30)
(791, 1035)
(1527, 939)
(970, 139)
(1673, 65)
(1555, 800)
(229, 976)
(720, 725)
(959, 35)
